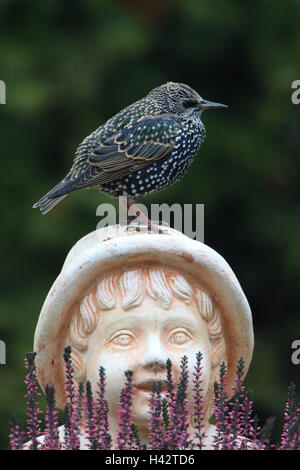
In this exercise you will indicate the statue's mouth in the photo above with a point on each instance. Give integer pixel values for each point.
(149, 385)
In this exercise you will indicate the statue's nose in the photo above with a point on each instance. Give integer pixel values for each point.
(155, 356)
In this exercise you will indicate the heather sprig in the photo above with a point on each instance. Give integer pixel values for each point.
(169, 404)
(264, 441)
(290, 437)
(135, 442)
(236, 428)
(220, 408)
(170, 386)
(249, 424)
(51, 439)
(178, 431)
(165, 414)
(16, 435)
(125, 423)
(70, 391)
(76, 419)
(73, 405)
(235, 422)
(31, 396)
(198, 402)
(156, 422)
(91, 419)
(103, 420)
(182, 404)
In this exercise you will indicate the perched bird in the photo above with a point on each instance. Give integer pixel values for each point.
(144, 148)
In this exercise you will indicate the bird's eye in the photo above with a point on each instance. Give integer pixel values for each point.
(189, 103)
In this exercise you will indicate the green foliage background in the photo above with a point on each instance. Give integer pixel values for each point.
(68, 66)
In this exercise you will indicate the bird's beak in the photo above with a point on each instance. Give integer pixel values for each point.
(204, 104)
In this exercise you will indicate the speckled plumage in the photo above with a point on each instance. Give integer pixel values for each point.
(144, 148)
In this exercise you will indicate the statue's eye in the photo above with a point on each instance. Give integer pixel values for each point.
(180, 337)
(190, 103)
(123, 339)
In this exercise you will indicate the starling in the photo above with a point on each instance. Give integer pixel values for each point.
(144, 148)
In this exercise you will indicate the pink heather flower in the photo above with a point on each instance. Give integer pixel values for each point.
(17, 435)
(32, 394)
(235, 424)
(91, 418)
(220, 409)
(290, 437)
(135, 439)
(168, 404)
(73, 422)
(198, 402)
(156, 425)
(70, 391)
(178, 435)
(234, 421)
(51, 439)
(103, 420)
(236, 428)
(125, 424)
(73, 406)
(248, 427)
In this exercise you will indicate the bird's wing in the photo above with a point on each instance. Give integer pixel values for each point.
(132, 148)
(149, 140)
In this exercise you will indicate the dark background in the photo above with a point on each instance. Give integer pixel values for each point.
(69, 66)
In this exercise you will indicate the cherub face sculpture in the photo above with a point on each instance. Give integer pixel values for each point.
(135, 320)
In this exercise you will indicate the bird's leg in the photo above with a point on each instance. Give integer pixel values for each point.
(139, 214)
(136, 213)
(125, 204)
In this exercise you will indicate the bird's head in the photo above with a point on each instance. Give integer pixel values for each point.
(182, 100)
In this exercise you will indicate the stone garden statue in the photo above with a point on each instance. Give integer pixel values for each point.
(128, 300)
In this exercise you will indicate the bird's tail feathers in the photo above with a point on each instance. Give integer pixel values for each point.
(48, 204)
(49, 200)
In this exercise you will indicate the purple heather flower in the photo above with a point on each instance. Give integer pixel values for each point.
(32, 394)
(17, 435)
(198, 402)
(220, 409)
(236, 428)
(177, 434)
(73, 406)
(156, 423)
(51, 439)
(290, 437)
(103, 420)
(125, 424)
(91, 418)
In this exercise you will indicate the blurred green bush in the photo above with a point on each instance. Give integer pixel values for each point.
(68, 66)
